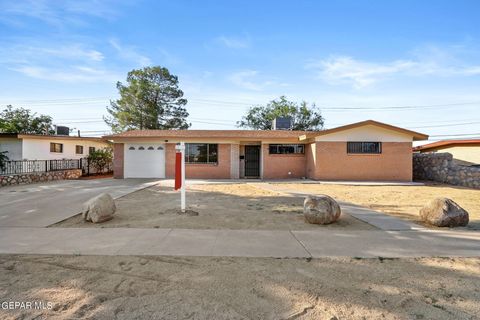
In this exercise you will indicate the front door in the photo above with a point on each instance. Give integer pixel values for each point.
(252, 161)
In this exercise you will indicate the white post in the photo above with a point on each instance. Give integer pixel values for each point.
(182, 189)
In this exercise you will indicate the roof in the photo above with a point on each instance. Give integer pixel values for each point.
(49, 137)
(416, 135)
(248, 134)
(257, 134)
(447, 143)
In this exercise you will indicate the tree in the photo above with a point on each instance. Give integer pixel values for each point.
(100, 159)
(151, 99)
(303, 117)
(22, 120)
(3, 159)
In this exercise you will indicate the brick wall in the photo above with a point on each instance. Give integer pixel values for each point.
(283, 166)
(221, 170)
(118, 159)
(333, 163)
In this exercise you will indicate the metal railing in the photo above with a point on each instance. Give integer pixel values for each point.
(34, 166)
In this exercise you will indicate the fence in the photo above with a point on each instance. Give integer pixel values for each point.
(34, 166)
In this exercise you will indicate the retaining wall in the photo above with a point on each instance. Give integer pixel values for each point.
(440, 167)
(27, 178)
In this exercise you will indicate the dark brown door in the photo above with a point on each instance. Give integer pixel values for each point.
(252, 161)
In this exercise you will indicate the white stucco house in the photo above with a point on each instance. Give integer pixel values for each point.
(48, 147)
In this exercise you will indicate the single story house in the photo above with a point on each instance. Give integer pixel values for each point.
(466, 150)
(367, 150)
(48, 147)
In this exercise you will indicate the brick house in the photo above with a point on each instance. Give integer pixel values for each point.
(367, 150)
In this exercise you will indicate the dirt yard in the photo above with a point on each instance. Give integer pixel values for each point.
(99, 287)
(403, 201)
(221, 206)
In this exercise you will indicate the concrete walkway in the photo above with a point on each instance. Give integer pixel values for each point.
(40, 205)
(238, 243)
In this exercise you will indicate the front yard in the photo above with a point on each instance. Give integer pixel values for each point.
(402, 201)
(220, 206)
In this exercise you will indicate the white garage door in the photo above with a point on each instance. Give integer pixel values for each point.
(144, 160)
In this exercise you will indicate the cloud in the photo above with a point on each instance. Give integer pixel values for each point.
(427, 61)
(58, 13)
(252, 80)
(68, 74)
(130, 53)
(234, 42)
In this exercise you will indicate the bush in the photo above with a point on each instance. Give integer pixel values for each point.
(100, 159)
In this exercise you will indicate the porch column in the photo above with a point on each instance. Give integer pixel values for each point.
(235, 161)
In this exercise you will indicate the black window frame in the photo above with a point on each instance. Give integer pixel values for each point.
(78, 147)
(283, 148)
(211, 154)
(53, 146)
(364, 147)
(91, 150)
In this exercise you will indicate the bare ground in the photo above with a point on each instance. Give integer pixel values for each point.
(221, 206)
(402, 201)
(99, 287)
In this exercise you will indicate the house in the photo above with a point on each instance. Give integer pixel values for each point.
(48, 147)
(367, 150)
(466, 151)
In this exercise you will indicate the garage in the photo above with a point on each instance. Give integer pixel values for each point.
(144, 160)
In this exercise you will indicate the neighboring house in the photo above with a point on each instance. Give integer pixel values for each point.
(467, 151)
(367, 150)
(48, 147)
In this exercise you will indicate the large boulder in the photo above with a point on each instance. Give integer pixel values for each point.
(99, 209)
(321, 209)
(444, 212)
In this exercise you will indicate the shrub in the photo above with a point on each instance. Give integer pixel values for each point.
(100, 159)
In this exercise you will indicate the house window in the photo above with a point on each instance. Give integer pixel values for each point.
(286, 149)
(201, 153)
(79, 149)
(91, 150)
(56, 147)
(364, 147)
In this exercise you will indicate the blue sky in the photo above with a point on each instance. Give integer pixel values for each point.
(63, 58)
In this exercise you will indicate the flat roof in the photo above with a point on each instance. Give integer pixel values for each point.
(448, 143)
(49, 137)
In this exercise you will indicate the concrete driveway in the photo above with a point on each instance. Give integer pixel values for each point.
(40, 205)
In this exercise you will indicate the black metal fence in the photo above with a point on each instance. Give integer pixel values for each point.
(33, 166)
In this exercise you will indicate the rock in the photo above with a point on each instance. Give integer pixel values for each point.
(321, 209)
(99, 209)
(444, 212)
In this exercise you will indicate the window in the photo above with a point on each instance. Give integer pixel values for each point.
(151, 148)
(201, 153)
(131, 148)
(79, 149)
(286, 149)
(141, 148)
(364, 147)
(91, 150)
(56, 147)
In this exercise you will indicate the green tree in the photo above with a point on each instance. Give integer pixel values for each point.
(304, 117)
(151, 99)
(3, 159)
(20, 120)
(100, 159)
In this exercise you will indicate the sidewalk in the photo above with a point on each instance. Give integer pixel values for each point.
(239, 243)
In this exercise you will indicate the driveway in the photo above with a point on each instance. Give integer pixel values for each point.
(40, 205)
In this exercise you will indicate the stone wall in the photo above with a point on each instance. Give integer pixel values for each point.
(440, 167)
(27, 178)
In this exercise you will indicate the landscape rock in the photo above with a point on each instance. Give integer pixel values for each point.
(99, 209)
(321, 209)
(444, 212)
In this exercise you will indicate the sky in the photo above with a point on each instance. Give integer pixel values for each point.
(415, 64)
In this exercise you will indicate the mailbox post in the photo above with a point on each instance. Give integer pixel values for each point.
(180, 173)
